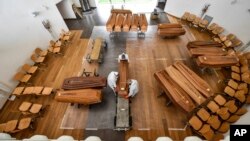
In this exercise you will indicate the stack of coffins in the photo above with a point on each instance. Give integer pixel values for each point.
(123, 20)
(211, 54)
(170, 30)
(82, 90)
(184, 87)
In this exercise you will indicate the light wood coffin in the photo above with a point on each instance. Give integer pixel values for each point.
(143, 23)
(216, 61)
(209, 51)
(127, 23)
(122, 83)
(84, 82)
(121, 11)
(82, 96)
(111, 23)
(198, 44)
(135, 22)
(118, 23)
(202, 86)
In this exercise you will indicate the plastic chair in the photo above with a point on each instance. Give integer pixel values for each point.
(29, 69)
(41, 52)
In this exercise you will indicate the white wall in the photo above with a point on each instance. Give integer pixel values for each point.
(77, 3)
(65, 8)
(233, 17)
(93, 3)
(21, 33)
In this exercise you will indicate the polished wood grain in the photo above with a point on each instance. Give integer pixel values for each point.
(95, 54)
(81, 96)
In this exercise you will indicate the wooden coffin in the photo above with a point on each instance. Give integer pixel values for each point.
(207, 51)
(169, 25)
(202, 86)
(82, 96)
(127, 23)
(119, 22)
(121, 11)
(216, 61)
(122, 83)
(184, 83)
(143, 23)
(197, 44)
(84, 82)
(171, 32)
(135, 22)
(111, 23)
(176, 94)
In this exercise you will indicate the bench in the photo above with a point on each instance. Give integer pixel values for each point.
(97, 51)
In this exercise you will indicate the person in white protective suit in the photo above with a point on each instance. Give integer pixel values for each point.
(112, 78)
(133, 88)
(123, 56)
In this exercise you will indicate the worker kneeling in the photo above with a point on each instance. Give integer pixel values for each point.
(133, 84)
(112, 78)
(133, 88)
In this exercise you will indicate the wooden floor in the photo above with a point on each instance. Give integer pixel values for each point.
(151, 117)
(57, 68)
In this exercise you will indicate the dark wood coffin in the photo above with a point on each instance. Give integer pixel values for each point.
(84, 82)
(198, 44)
(171, 32)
